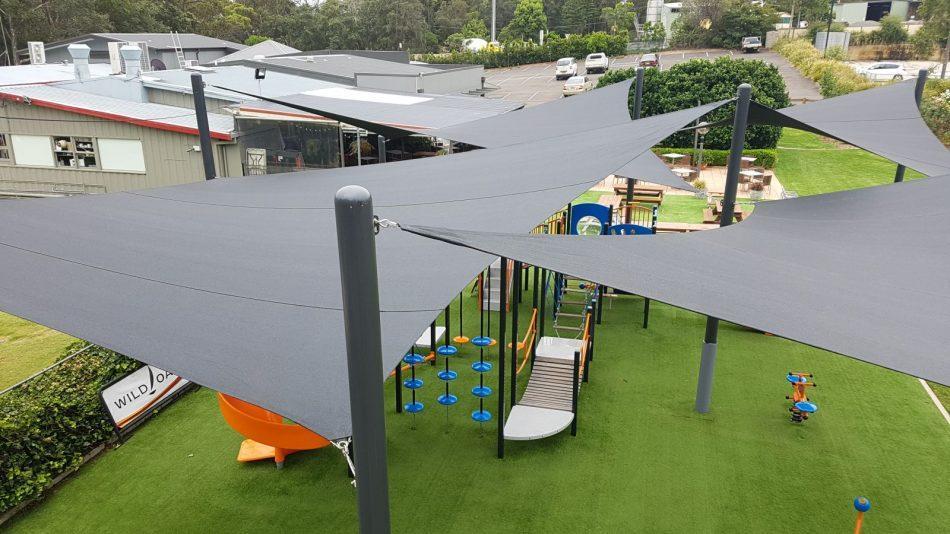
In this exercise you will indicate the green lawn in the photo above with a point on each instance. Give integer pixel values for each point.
(26, 348)
(811, 165)
(643, 460)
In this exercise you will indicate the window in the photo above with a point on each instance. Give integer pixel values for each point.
(75, 152)
(4, 148)
(123, 155)
(32, 150)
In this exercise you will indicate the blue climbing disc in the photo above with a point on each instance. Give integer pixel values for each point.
(807, 407)
(447, 376)
(481, 367)
(413, 383)
(481, 416)
(862, 504)
(482, 341)
(414, 407)
(481, 391)
(448, 399)
(795, 379)
(447, 350)
(413, 358)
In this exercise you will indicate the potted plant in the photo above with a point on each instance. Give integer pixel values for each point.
(700, 186)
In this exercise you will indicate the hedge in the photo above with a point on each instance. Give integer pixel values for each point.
(525, 52)
(700, 81)
(48, 424)
(834, 77)
(764, 157)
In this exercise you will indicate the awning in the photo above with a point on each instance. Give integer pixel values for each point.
(884, 120)
(234, 283)
(864, 273)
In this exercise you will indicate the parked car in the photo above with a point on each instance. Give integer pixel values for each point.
(751, 44)
(596, 62)
(883, 71)
(650, 60)
(576, 85)
(565, 68)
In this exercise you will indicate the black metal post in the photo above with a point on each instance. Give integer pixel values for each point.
(708, 361)
(448, 324)
(204, 130)
(356, 243)
(918, 94)
(432, 341)
(574, 386)
(514, 344)
(638, 94)
(544, 299)
(600, 302)
(381, 148)
(534, 289)
(501, 357)
(399, 387)
(646, 312)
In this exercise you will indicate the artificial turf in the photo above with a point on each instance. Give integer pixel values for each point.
(643, 459)
(26, 348)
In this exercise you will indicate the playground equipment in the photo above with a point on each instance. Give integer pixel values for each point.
(861, 504)
(268, 436)
(491, 298)
(412, 383)
(447, 375)
(572, 297)
(549, 402)
(801, 405)
(481, 391)
(461, 338)
(643, 222)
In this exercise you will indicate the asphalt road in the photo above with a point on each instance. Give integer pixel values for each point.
(535, 84)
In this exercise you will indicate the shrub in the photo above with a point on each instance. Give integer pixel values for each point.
(834, 77)
(523, 52)
(764, 157)
(935, 108)
(48, 424)
(703, 81)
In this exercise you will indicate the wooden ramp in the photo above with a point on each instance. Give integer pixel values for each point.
(547, 406)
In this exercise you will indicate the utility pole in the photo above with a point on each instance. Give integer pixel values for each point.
(493, 20)
(204, 131)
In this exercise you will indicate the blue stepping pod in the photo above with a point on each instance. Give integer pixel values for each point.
(481, 416)
(481, 367)
(447, 350)
(448, 399)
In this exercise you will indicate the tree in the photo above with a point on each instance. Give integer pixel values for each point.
(579, 16)
(450, 17)
(474, 27)
(621, 18)
(393, 25)
(333, 26)
(741, 19)
(528, 21)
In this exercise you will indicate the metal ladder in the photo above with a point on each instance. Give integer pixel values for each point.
(571, 303)
(179, 53)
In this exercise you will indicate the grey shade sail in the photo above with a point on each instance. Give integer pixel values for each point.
(585, 112)
(234, 283)
(388, 113)
(884, 120)
(845, 271)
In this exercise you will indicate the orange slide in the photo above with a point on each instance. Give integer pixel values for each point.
(268, 435)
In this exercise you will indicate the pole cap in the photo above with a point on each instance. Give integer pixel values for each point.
(862, 504)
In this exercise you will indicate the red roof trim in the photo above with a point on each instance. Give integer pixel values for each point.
(118, 118)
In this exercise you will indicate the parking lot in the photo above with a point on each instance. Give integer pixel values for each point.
(535, 84)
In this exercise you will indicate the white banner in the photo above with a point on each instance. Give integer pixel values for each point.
(135, 394)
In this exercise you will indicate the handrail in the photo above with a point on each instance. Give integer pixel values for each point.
(40, 372)
(585, 343)
(529, 339)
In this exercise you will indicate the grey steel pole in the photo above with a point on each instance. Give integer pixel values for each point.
(204, 131)
(708, 361)
(356, 243)
(493, 21)
(637, 108)
(381, 148)
(918, 94)
(514, 342)
(946, 58)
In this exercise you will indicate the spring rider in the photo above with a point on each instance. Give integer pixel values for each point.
(801, 405)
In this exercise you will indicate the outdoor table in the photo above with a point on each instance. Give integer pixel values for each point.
(673, 156)
(684, 171)
(751, 173)
(749, 159)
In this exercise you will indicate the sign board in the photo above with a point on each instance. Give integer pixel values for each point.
(138, 393)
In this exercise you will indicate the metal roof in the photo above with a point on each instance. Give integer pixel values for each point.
(164, 40)
(47, 73)
(266, 48)
(239, 77)
(149, 115)
(344, 66)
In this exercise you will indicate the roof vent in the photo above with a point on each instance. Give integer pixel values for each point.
(37, 52)
(132, 59)
(80, 55)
